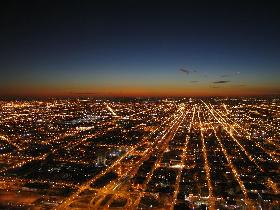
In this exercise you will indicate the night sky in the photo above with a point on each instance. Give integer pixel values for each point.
(81, 48)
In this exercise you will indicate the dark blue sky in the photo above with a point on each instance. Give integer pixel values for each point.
(130, 48)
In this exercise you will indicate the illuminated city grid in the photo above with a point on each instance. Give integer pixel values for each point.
(149, 153)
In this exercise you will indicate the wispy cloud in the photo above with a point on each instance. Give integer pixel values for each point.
(224, 75)
(221, 82)
(194, 81)
(185, 70)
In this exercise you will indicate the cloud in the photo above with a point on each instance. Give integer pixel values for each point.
(224, 75)
(194, 81)
(221, 82)
(185, 70)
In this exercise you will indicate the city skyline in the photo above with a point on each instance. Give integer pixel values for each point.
(139, 49)
(140, 153)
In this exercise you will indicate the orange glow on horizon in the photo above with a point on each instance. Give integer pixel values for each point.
(134, 91)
